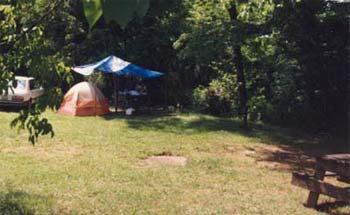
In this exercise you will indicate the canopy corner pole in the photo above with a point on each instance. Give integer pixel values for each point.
(117, 97)
(95, 97)
(95, 104)
(165, 88)
(116, 93)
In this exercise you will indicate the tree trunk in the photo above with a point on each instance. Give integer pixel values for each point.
(269, 92)
(238, 62)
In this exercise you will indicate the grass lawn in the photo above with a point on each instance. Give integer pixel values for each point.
(94, 165)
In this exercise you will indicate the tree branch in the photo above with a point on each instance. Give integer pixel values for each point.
(57, 4)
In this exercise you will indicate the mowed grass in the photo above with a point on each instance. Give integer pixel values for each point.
(93, 166)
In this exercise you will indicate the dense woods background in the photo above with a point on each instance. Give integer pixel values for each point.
(278, 61)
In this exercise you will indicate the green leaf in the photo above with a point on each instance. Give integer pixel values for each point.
(142, 7)
(4, 7)
(92, 11)
(123, 11)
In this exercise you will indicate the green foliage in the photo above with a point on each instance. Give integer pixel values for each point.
(7, 29)
(124, 11)
(120, 11)
(31, 51)
(294, 61)
(93, 11)
(31, 121)
(312, 39)
(98, 79)
(219, 98)
(204, 41)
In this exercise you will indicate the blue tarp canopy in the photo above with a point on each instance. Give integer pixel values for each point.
(118, 66)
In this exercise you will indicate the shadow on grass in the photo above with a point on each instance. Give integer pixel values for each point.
(294, 158)
(22, 203)
(285, 149)
(333, 208)
(295, 149)
(9, 109)
(202, 123)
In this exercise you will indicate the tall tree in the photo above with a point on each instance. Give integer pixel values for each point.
(239, 66)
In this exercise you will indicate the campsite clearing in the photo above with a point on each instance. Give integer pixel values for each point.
(92, 167)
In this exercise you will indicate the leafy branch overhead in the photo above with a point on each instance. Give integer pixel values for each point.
(120, 11)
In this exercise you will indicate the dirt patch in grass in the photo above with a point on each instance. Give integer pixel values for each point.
(282, 158)
(231, 149)
(249, 152)
(163, 160)
(275, 165)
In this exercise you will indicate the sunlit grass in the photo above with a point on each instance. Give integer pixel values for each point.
(91, 166)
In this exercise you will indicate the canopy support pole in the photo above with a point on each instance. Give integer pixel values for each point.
(165, 88)
(93, 82)
(117, 97)
(95, 98)
(116, 94)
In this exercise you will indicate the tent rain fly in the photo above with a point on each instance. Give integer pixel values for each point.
(117, 66)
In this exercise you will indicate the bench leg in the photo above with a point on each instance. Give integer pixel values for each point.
(313, 196)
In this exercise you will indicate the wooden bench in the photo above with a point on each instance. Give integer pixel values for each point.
(339, 166)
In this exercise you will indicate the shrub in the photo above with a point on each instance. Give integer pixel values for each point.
(219, 98)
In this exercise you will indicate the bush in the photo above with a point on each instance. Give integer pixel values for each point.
(219, 98)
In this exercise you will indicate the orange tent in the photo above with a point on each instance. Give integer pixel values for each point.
(84, 99)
